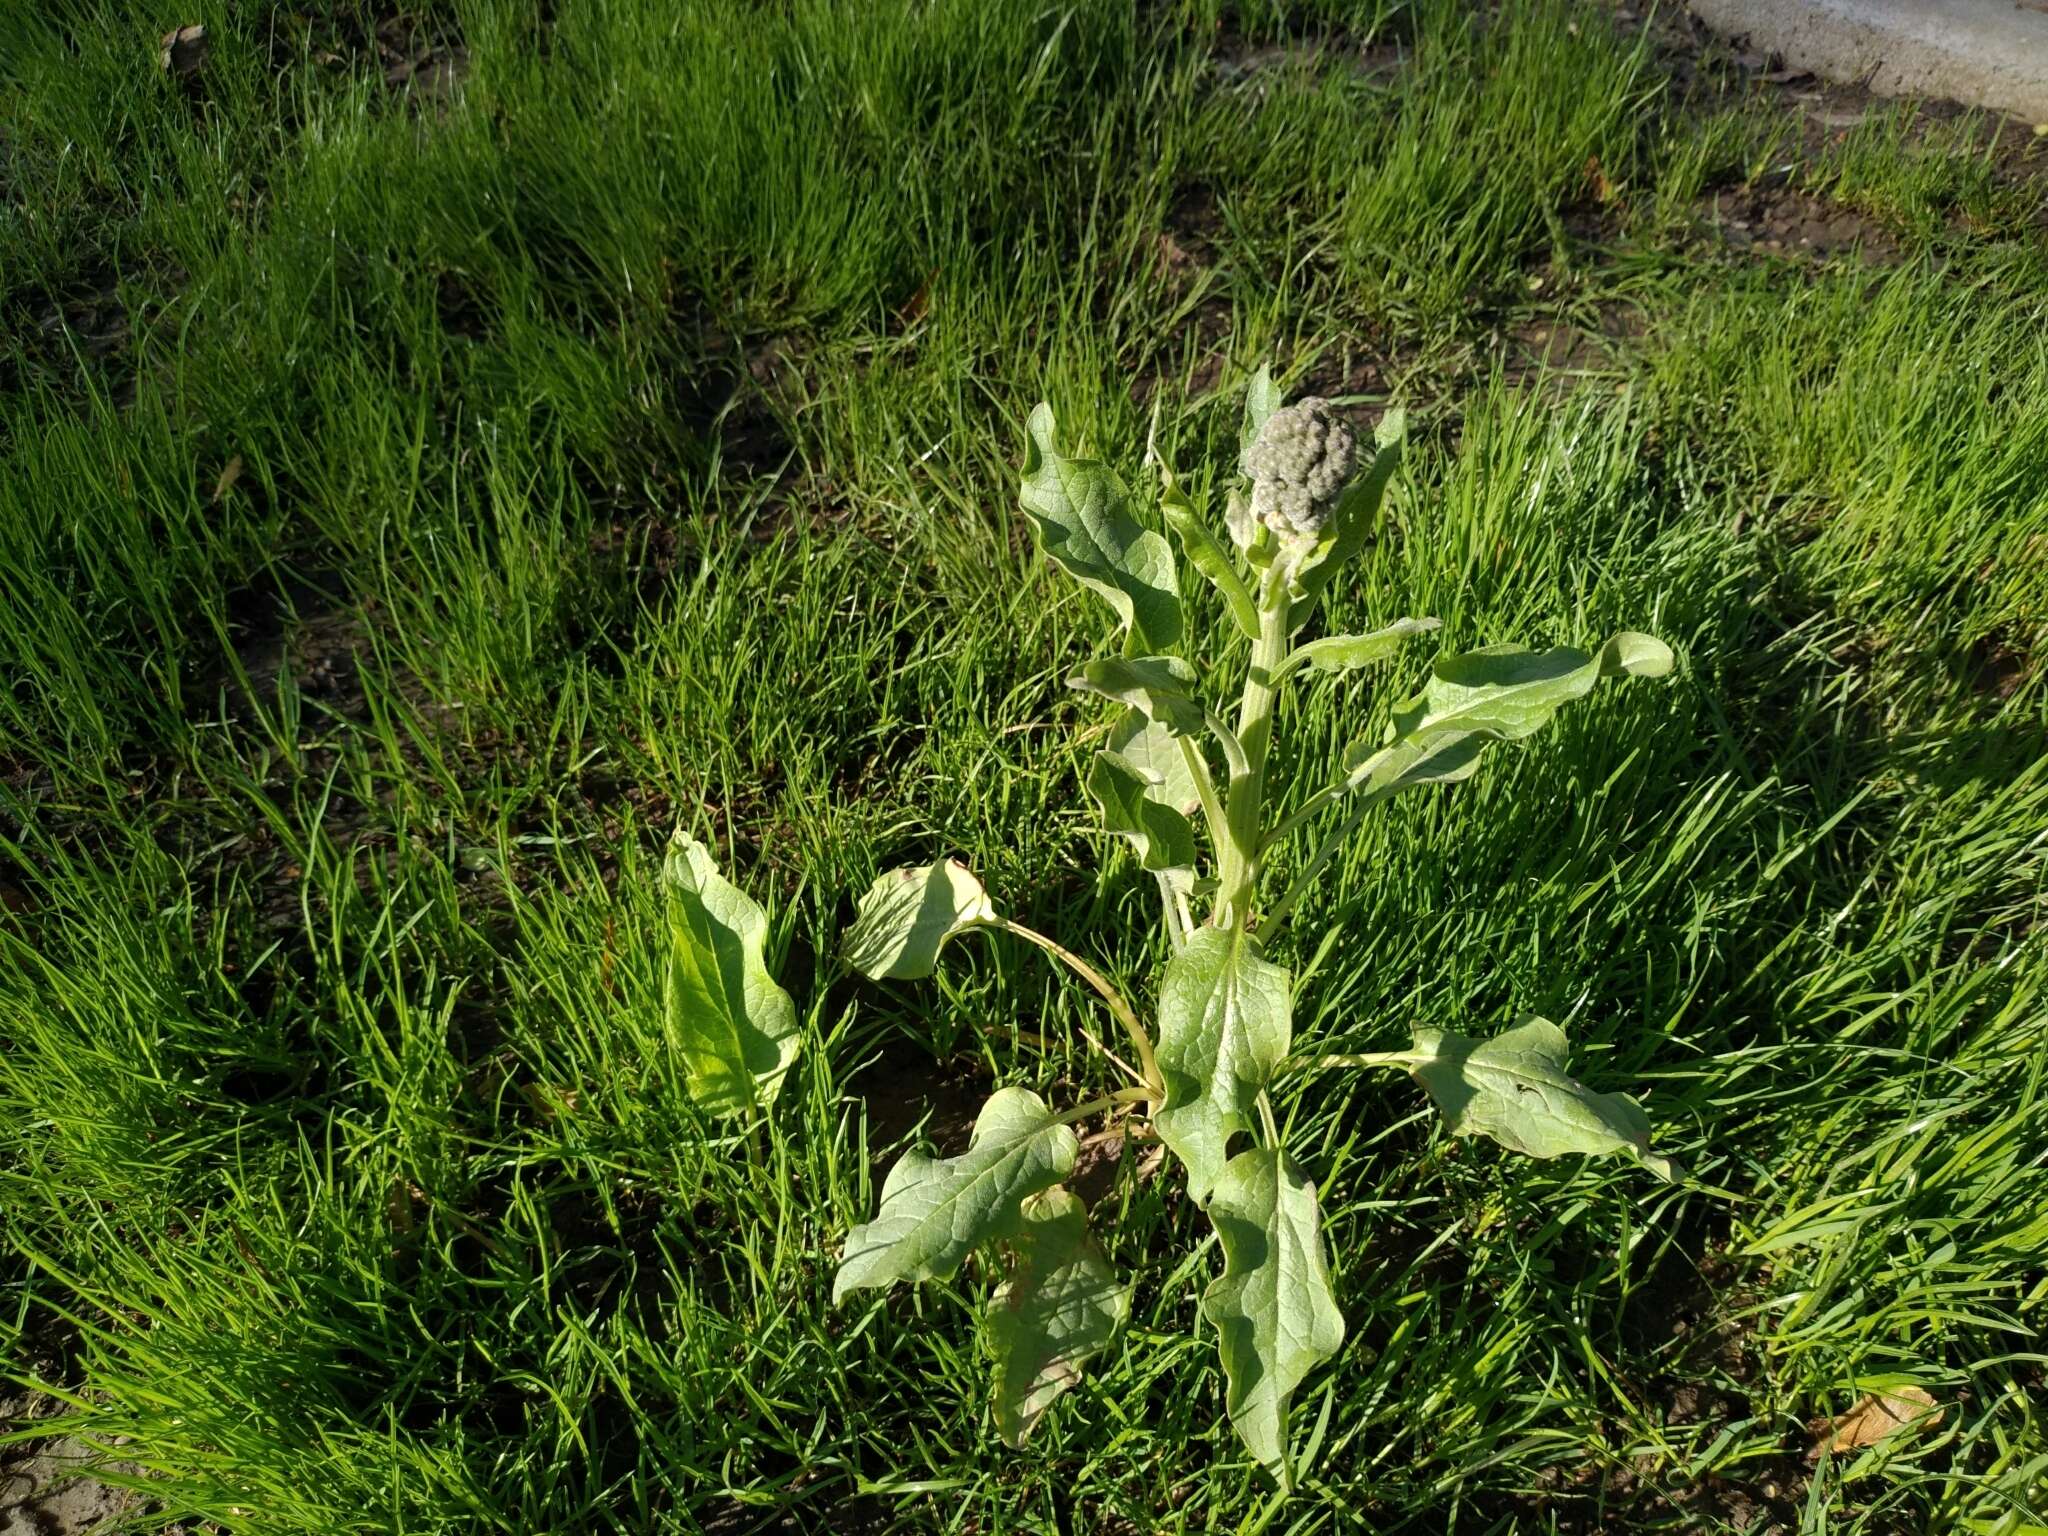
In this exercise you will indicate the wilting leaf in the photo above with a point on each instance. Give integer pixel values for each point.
(1878, 1416)
(734, 1028)
(1500, 693)
(1163, 838)
(1355, 518)
(1273, 1307)
(1161, 688)
(1225, 1022)
(1341, 653)
(908, 915)
(1207, 555)
(1061, 1304)
(1081, 512)
(1514, 1089)
(935, 1210)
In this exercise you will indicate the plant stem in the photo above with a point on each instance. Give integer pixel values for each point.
(1140, 1041)
(1205, 788)
(1238, 854)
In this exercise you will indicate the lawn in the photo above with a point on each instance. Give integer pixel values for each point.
(444, 451)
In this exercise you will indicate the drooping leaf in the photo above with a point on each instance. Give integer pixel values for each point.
(907, 916)
(1342, 653)
(734, 1028)
(1225, 1023)
(1354, 520)
(1152, 752)
(1081, 512)
(935, 1210)
(1161, 688)
(1207, 554)
(1499, 693)
(1514, 1090)
(1261, 399)
(1162, 837)
(1273, 1307)
(1061, 1304)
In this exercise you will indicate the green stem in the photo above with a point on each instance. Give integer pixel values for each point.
(1140, 1041)
(1205, 789)
(1239, 854)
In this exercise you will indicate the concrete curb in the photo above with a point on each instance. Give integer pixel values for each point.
(1984, 53)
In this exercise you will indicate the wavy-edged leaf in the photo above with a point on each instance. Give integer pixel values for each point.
(1343, 653)
(1273, 1307)
(1498, 693)
(1082, 515)
(1161, 688)
(733, 1026)
(1207, 554)
(1514, 1089)
(907, 916)
(935, 1210)
(1225, 1023)
(1061, 1305)
(1162, 837)
(1355, 518)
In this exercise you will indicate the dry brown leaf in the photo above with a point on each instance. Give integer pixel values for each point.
(1877, 1416)
(182, 50)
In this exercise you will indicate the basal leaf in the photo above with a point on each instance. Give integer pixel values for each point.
(1163, 838)
(935, 1210)
(1342, 653)
(734, 1028)
(1161, 688)
(908, 915)
(1225, 1023)
(1273, 1307)
(1082, 515)
(1514, 1090)
(1499, 693)
(1061, 1304)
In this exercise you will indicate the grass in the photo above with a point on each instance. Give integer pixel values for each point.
(470, 485)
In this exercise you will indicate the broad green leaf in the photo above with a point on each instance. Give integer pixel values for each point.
(1207, 554)
(1355, 518)
(1261, 399)
(1081, 512)
(1163, 838)
(1160, 688)
(908, 915)
(1156, 756)
(1225, 1023)
(935, 1210)
(1342, 653)
(1273, 1307)
(1061, 1304)
(1514, 1089)
(734, 1028)
(1499, 693)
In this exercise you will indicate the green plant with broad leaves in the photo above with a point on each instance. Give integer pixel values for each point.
(1175, 777)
